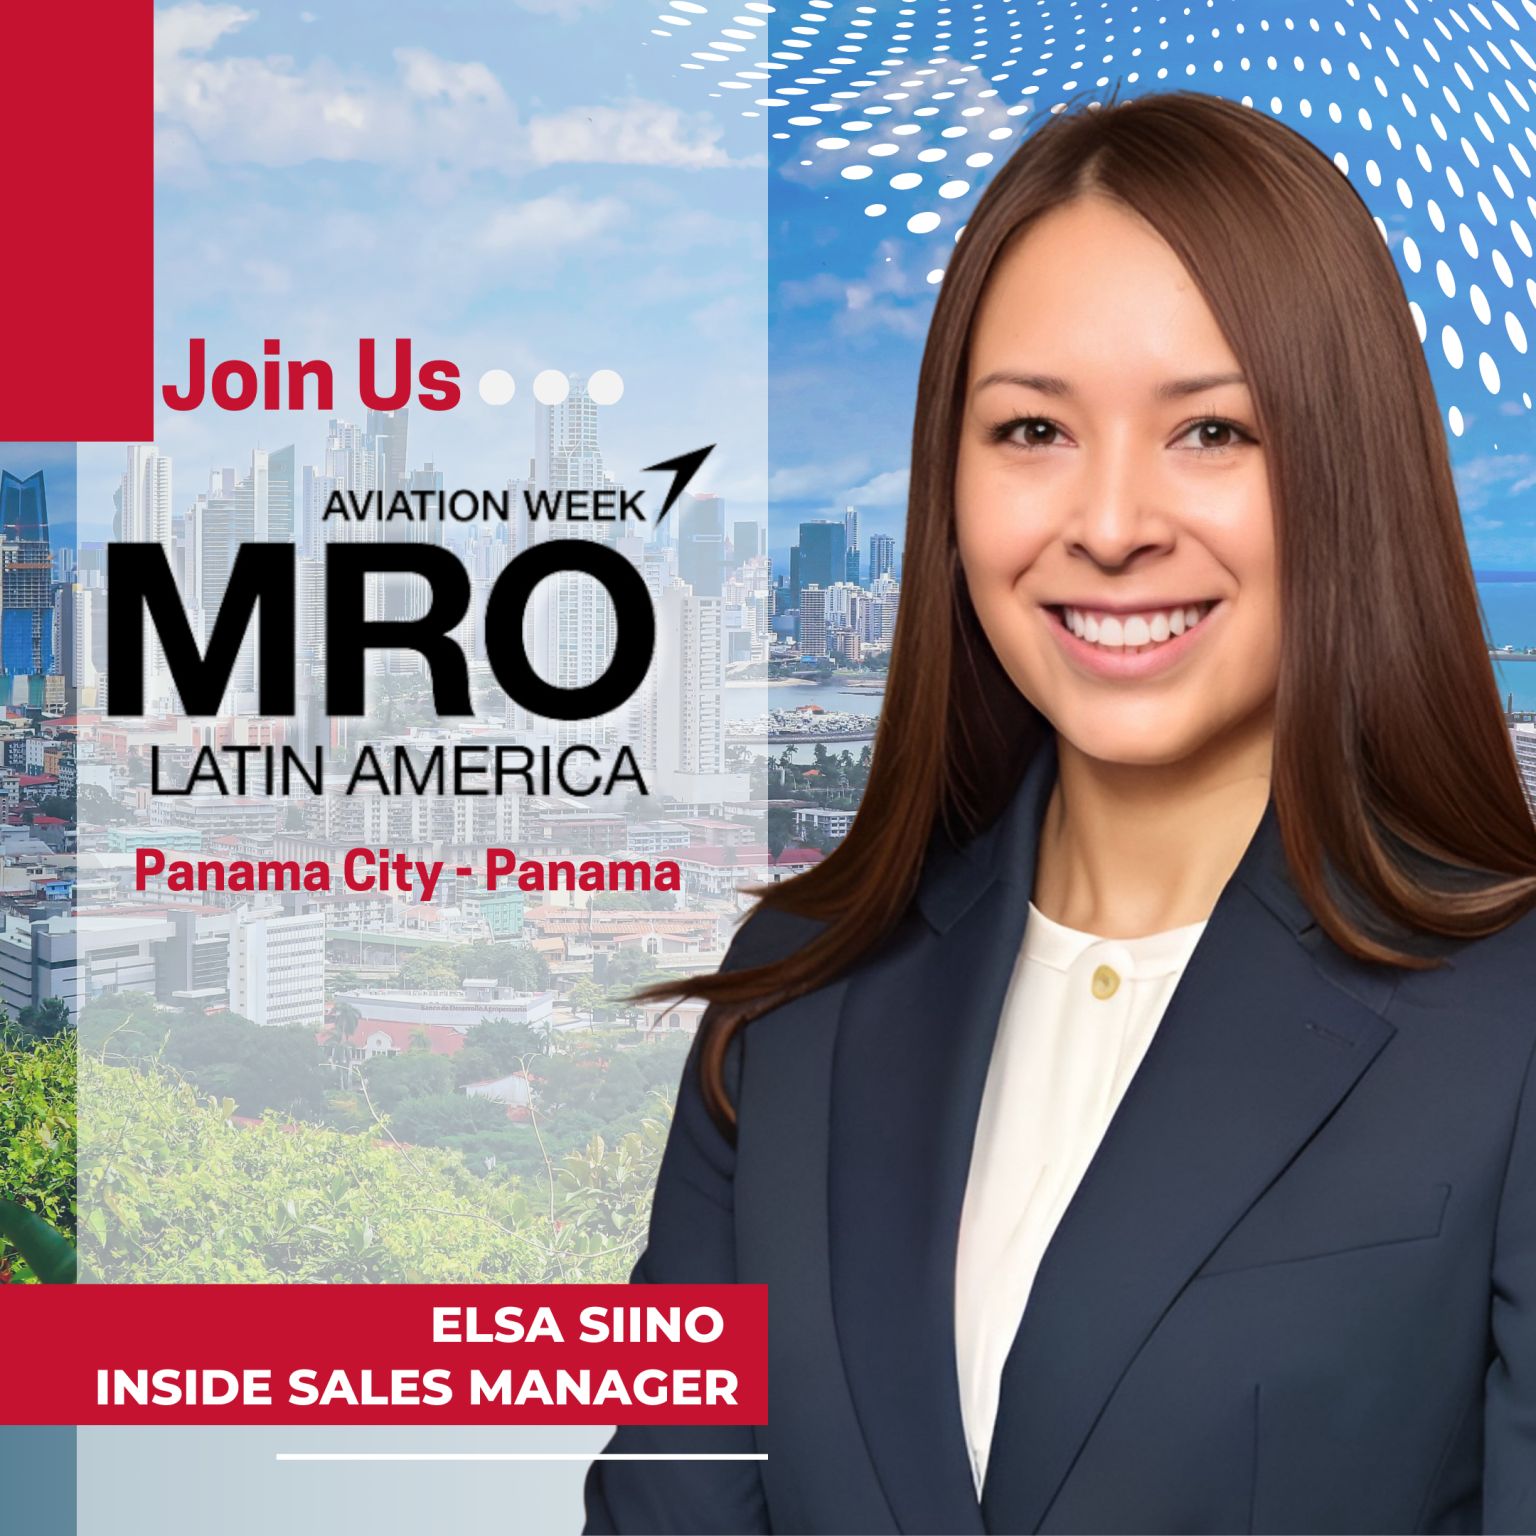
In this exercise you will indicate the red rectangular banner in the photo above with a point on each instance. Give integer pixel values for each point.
(385, 1354)
(77, 120)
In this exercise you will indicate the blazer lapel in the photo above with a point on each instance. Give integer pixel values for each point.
(910, 1062)
(1256, 1048)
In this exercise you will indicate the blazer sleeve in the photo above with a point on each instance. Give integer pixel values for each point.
(691, 1240)
(1509, 1432)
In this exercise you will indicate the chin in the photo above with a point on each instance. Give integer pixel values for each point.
(1147, 744)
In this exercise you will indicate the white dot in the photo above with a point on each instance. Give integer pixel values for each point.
(858, 172)
(1450, 344)
(954, 189)
(605, 387)
(937, 275)
(875, 210)
(923, 223)
(497, 386)
(551, 387)
(1490, 372)
(1516, 332)
(1454, 414)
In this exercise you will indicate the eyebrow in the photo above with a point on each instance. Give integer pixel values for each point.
(1054, 384)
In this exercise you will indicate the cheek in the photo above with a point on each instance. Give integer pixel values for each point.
(997, 537)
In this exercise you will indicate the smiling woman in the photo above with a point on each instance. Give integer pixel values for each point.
(1134, 1120)
(1113, 517)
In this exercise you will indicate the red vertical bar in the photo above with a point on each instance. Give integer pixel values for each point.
(77, 274)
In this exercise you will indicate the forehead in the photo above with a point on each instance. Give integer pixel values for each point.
(1091, 288)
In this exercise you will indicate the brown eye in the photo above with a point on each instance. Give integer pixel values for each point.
(1215, 435)
(1026, 432)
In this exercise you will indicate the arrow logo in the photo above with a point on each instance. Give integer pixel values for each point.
(684, 467)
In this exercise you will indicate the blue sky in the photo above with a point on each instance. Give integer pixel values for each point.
(851, 296)
(560, 183)
(513, 185)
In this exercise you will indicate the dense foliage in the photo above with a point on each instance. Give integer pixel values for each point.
(37, 1133)
(211, 1149)
(174, 1188)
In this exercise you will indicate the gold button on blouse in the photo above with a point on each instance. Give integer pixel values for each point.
(1106, 982)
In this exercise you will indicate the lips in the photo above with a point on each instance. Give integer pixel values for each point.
(1129, 644)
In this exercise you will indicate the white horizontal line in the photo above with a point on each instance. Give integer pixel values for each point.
(521, 1456)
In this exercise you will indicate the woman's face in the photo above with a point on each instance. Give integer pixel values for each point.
(1112, 504)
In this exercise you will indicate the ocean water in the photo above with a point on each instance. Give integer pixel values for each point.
(1509, 615)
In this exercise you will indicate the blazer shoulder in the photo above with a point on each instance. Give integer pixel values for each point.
(1493, 976)
(769, 934)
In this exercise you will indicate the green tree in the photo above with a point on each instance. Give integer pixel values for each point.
(44, 1020)
(495, 1047)
(96, 808)
(518, 966)
(432, 1118)
(392, 1080)
(37, 1134)
(635, 901)
(430, 971)
(625, 969)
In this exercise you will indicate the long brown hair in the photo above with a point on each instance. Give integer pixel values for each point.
(1395, 782)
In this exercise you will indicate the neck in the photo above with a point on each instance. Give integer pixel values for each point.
(1127, 849)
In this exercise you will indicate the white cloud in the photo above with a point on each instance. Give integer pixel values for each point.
(883, 490)
(264, 110)
(424, 74)
(887, 297)
(809, 482)
(1493, 476)
(634, 133)
(441, 117)
(543, 224)
(195, 28)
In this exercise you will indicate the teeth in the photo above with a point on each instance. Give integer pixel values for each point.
(1132, 631)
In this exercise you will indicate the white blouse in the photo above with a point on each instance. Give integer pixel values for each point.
(1078, 1017)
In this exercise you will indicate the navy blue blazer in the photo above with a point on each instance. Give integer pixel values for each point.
(1295, 1291)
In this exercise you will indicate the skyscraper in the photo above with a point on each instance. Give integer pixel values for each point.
(570, 623)
(813, 621)
(565, 451)
(144, 497)
(701, 542)
(745, 541)
(823, 555)
(387, 432)
(26, 588)
(282, 499)
(256, 507)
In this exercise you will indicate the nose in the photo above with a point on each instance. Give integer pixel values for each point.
(1116, 516)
